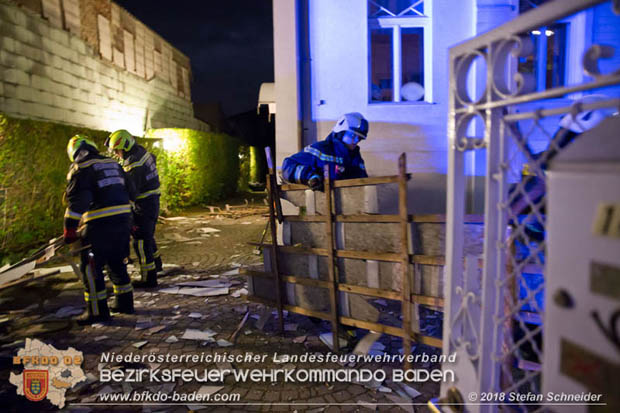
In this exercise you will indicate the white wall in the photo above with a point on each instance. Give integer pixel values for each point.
(49, 74)
(286, 74)
(339, 73)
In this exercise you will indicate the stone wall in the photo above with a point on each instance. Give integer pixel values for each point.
(49, 73)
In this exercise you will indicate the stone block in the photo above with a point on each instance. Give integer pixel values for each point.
(77, 44)
(45, 97)
(9, 13)
(7, 43)
(84, 84)
(59, 36)
(9, 90)
(16, 76)
(38, 26)
(26, 36)
(11, 105)
(42, 83)
(62, 102)
(33, 53)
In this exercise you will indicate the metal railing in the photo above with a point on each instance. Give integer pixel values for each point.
(494, 316)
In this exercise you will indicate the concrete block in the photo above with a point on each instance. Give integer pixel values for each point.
(11, 105)
(59, 36)
(77, 44)
(12, 14)
(85, 84)
(16, 76)
(45, 97)
(33, 53)
(7, 43)
(42, 83)
(74, 68)
(9, 90)
(62, 102)
(26, 36)
(38, 26)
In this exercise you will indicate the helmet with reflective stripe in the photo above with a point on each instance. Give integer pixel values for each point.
(586, 119)
(78, 142)
(120, 140)
(354, 125)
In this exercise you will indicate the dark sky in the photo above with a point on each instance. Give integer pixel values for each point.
(229, 43)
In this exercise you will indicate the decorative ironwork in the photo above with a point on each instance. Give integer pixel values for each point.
(499, 321)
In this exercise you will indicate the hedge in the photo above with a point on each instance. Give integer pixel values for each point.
(34, 165)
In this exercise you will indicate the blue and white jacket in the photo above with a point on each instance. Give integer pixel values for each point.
(344, 163)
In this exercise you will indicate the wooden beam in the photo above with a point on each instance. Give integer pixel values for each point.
(331, 261)
(292, 308)
(274, 246)
(359, 255)
(347, 183)
(349, 288)
(393, 331)
(370, 218)
(367, 325)
(404, 257)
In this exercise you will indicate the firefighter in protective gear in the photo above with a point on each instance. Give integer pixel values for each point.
(97, 197)
(339, 150)
(141, 169)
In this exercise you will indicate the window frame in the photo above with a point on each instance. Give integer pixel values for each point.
(397, 24)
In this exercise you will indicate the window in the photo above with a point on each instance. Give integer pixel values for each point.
(399, 50)
(548, 63)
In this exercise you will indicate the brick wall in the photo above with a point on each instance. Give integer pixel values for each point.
(49, 73)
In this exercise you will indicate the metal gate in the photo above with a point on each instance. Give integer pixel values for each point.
(494, 307)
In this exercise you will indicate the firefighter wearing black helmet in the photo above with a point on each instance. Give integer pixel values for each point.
(98, 198)
(141, 170)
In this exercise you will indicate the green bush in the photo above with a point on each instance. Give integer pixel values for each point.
(198, 168)
(34, 165)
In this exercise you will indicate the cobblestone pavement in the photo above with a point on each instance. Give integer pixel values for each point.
(31, 313)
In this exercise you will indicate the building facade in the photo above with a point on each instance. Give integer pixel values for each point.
(90, 63)
(388, 59)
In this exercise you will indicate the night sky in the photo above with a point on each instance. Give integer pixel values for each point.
(229, 43)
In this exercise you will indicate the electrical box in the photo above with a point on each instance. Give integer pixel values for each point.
(582, 293)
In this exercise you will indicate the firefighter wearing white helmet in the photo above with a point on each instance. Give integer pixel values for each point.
(339, 150)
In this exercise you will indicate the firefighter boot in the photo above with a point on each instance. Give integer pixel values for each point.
(97, 312)
(150, 282)
(123, 303)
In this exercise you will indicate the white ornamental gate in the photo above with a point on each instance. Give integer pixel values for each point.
(494, 307)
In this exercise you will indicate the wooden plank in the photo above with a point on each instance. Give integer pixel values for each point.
(439, 260)
(404, 254)
(426, 300)
(358, 255)
(418, 219)
(331, 262)
(348, 183)
(394, 331)
(274, 249)
(371, 292)
(369, 255)
(291, 308)
(375, 180)
(349, 288)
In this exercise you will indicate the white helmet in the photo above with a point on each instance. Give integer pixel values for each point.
(587, 119)
(354, 125)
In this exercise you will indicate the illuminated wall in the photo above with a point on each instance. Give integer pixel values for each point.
(50, 73)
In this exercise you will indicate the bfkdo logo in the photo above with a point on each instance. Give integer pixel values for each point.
(36, 384)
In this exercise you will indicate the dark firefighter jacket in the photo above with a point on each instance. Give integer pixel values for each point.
(141, 169)
(344, 163)
(96, 191)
